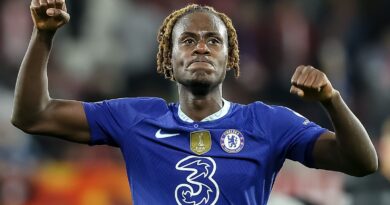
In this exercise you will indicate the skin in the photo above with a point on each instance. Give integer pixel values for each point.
(35, 111)
(201, 37)
(349, 149)
(384, 149)
(199, 60)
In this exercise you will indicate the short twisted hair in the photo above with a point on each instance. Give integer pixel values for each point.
(164, 38)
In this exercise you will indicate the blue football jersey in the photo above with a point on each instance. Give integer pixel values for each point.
(231, 158)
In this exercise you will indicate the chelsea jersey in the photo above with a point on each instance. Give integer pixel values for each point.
(230, 157)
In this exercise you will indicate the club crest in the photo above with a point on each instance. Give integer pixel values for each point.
(232, 141)
(200, 141)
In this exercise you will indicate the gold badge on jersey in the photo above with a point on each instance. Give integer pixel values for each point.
(200, 141)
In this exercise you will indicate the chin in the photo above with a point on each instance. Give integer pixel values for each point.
(199, 82)
(201, 85)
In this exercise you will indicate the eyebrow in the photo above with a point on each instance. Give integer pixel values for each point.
(208, 34)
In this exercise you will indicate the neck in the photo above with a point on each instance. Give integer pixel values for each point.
(199, 106)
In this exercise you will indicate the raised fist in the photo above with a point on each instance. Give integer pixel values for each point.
(49, 15)
(311, 84)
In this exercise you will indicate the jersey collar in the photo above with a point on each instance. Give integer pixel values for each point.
(215, 116)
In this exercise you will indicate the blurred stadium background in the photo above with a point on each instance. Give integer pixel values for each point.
(108, 50)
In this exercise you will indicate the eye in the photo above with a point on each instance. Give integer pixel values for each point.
(213, 41)
(188, 41)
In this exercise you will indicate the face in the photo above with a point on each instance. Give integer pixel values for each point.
(199, 50)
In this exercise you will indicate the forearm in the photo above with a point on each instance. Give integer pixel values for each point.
(354, 144)
(31, 90)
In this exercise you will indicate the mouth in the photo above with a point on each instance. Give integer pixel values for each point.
(198, 66)
(201, 65)
(201, 61)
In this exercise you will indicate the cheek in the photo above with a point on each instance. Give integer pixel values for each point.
(224, 58)
(176, 58)
(176, 62)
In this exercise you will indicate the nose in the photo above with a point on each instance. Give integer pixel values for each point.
(201, 48)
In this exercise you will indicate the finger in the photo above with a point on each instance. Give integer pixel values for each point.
(60, 4)
(37, 10)
(43, 3)
(311, 78)
(321, 81)
(34, 12)
(297, 91)
(59, 14)
(64, 8)
(52, 12)
(297, 72)
(34, 3)
(302, 77)
(42, 7)
(318, 83)
(51, 3)
(65, 17)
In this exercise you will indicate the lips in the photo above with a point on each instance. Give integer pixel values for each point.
(201, 60)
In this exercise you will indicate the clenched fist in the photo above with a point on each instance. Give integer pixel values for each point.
(310, 83)
(49, 15)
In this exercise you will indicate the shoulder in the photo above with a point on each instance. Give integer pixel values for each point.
(259, 108)
(138, 104)
(250, 110)
(135, 102)
(266, 115)
(273, 110)
(256, 114)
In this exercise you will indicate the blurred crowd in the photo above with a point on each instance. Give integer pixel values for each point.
(108, 50)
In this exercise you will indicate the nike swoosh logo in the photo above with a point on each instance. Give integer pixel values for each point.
(160, 135)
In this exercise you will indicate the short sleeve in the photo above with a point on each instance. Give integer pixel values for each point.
(108, 120)
(294, 136)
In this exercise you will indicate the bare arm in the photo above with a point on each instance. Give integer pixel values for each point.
(350, 149)
(34, 111)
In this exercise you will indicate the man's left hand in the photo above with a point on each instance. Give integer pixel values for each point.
(311, 84)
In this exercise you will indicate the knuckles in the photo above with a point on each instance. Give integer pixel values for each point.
(303, 69)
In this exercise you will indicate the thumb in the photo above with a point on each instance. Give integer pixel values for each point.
(52, 12)
(58, 13)
(295, 90)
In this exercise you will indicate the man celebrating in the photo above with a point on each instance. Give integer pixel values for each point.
(203, 149)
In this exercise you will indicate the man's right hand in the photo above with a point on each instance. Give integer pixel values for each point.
(35, 112)
(49, 15)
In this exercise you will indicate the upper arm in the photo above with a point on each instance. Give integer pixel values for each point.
(326, 153)
(294, 135)
(64, 119)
